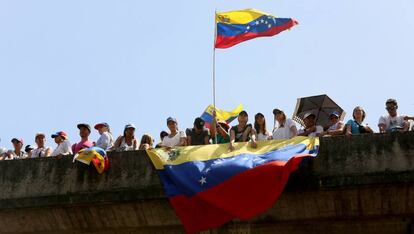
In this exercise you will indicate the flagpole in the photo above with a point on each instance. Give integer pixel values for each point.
(214, 70)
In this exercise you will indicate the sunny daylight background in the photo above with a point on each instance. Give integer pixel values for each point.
(66, 62)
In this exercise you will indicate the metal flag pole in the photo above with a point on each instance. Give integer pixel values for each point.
(214, 71)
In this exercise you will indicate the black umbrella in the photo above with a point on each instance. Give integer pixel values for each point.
(321, 106)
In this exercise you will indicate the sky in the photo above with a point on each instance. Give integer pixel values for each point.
(66, 62)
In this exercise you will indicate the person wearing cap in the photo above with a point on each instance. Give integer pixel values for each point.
(337, 126)
(176, 137)
(17, 153)
(242, 132)
(285, 128)
(41, 150)
(392, 122)
(126, 142)
(84, 132)
(260, 129)
(63, 144)
(147, 142)
(106, 140)
(162, 135)
(198, 135)
(356, 126)
(311, 129)
(29, 150)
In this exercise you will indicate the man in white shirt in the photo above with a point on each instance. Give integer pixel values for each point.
(41, 150)
(392, 122)
(311, 129)
(64, 146)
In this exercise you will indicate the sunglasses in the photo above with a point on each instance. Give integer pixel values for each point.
(391, 108)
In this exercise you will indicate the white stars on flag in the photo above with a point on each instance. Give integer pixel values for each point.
(203, 180)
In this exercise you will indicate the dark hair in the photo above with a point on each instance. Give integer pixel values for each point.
(243, 112)
(279, 112)
(391, 101)
(256, 124)
(363, 112)
(163, 134)
(147, 139)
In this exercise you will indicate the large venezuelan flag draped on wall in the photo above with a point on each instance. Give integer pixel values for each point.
(209, 186)
(237, 26)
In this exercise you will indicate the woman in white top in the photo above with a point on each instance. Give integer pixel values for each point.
(260, 127)
(41, 150)
(106, 140)
(127, 142)
(175, 138)
(64, 147)
(286, 128)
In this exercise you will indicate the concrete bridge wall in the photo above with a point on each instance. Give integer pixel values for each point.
(363, 184)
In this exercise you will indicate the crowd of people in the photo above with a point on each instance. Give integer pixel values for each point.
(219, 132)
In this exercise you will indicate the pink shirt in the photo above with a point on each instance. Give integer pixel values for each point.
(81, 145)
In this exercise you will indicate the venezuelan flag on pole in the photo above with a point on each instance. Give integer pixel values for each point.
(235, 27)
(223, 115)
(209, 186)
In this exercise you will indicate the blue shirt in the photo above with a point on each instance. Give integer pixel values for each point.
(354, 127)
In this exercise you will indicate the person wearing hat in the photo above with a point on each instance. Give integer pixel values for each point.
(17, 153)
(198, 135)
(337, 126)
(63, 144)
(126, 142)
(106, 140)
(260, 129)
(29, 149)
(285, 129)
(242, 132)
(41, 150)
(84, 132)
(311, 129)
(176, 137)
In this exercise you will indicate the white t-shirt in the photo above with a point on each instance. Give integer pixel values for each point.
(105, 141)
(173, 141)
(63, 148)
(319, 129)
(335, 126)
(263, 137)
(285, 131)
(40, 152)
(391, 122)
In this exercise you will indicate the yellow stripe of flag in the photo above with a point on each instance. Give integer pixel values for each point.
(239, 17)
(179, 155)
